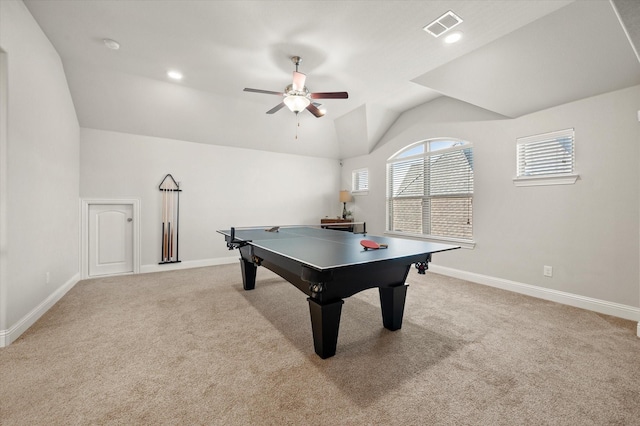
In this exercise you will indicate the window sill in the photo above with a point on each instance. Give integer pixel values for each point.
(366, 192)
(545, 180)
(468, 244)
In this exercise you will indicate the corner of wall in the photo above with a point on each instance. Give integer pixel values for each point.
(3, 193)
(10, 335)
(596, 305)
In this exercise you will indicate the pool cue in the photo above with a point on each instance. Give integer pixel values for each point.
(162, 237)
(166, 227)
(178, 223)
(171, 229)
(168, 224)
(164, 222)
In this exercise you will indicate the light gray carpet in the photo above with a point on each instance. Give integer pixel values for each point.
(191, 347)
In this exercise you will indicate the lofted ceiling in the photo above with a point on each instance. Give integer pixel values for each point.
(516, 57)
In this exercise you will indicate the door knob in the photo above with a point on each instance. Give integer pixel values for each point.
(129, 220)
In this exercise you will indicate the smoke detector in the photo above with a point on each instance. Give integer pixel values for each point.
(111, 44)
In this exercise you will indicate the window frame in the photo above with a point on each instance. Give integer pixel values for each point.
(425, 154)
(356, 177)
(564, 178)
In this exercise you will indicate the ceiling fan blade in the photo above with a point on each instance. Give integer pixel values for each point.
(330, 95)
(268, 92)
(315, 111)
(276, 108)
(298, 81)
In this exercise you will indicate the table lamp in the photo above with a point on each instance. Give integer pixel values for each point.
(345, 197)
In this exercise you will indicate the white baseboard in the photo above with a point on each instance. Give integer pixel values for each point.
(188, 264)
(10, 335)
(602, 306)
(596, 305)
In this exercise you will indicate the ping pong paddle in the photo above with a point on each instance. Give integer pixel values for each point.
(368, 244)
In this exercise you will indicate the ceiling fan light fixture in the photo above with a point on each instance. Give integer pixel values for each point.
(297, 97)
(296, 103)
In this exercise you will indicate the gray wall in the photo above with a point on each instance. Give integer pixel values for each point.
(40, 227)
(588, 232)
(222, 187)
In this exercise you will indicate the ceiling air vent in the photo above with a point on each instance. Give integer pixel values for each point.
(443, 24)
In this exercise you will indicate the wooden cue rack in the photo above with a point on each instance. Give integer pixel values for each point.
(170, 219)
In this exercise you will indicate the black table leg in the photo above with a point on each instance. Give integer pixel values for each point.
(392, 303)
(325, 321)
(248, 274)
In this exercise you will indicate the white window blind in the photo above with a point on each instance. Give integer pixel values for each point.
(360, 180)
(430, 190)
(547, 154)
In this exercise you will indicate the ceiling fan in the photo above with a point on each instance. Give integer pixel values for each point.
(296, 95)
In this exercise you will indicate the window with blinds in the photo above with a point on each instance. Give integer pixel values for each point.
(430, 189)
(547, 158)
(360, 180)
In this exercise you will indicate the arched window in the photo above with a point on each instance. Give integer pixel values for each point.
(430, 189)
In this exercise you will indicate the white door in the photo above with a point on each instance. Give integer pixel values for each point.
(110, 239)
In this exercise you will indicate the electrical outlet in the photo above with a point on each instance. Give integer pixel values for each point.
(48, 277)
(547, 271)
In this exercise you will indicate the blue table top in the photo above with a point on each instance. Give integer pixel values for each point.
(328, 249)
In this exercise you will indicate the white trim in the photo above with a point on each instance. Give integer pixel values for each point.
(564, 179)
(10, 335)
(426, 153)
(546, 137)
(467, 244)
(84, 231)
(392, 159)
(602, 306)
(357, 173)
(3, 192)
(626, 33)
(144, 269)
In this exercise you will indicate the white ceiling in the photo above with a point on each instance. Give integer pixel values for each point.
(516, 57)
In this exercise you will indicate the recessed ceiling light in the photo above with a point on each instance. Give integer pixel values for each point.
(176, 75)
(111, 44)
(453, 37)
(443, 24)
